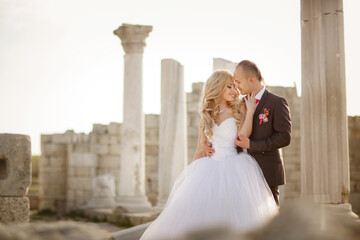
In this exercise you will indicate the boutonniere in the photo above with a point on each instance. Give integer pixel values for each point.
(264, 116)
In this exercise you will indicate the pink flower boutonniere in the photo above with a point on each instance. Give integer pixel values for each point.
(264, 116)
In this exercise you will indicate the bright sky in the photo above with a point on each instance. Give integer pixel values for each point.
(61, 67)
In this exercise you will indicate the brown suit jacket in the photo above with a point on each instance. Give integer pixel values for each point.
(267, 139)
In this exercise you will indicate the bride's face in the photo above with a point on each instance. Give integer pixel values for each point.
(229, 91)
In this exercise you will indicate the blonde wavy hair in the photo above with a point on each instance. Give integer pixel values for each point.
(210, 99)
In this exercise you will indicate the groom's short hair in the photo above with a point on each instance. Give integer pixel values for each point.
(251, 68)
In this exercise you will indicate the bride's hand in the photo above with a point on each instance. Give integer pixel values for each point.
(250, 102)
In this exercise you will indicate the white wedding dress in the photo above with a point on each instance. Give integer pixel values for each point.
(226, 189)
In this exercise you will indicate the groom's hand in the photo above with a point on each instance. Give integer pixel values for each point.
(208, 150)
(242, 142)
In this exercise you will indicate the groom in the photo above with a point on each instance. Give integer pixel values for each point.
(271, 126)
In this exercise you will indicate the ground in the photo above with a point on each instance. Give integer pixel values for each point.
(107, 229)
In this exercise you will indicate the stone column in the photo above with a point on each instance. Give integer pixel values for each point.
(324, 127)
(132, 164)
(173, 128)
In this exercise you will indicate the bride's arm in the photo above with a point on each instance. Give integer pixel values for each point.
(247, 111)
(199, 153)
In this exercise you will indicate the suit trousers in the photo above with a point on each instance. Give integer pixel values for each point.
(276, 193)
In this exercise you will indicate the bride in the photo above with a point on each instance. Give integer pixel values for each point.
(227, 188)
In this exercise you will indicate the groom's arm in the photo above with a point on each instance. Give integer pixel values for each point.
(282, 130)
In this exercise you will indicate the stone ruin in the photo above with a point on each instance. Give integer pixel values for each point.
(71, 161)
(89, 171)
(100, 152)
(15, 180)
(143, 160)
(124, 164)
(15, 177)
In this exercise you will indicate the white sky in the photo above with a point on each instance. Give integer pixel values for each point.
(61, 67)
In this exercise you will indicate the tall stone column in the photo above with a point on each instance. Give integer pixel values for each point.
(173, 128)
(132, 194)
(324, 129)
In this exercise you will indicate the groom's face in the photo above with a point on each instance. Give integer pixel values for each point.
(242, 81)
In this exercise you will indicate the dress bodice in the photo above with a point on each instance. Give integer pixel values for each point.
(224, 136)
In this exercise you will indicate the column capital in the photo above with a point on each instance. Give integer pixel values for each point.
(133, 37)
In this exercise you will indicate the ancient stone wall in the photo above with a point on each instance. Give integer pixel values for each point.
(52, 171)
(70, 161)
(151, 156)
(354, 149)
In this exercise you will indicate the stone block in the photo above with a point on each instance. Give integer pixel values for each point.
(114, 128)
(93, 138)
(109, 161)
(107, 139)
(43, 162)
(293, 176)
(72, 183)
(84, 137)
(355, 202)
(100, 149)
(152, 121)
(56, 191)
(15, 164)
(79, 194)
(61, 138)
(51, 149)
(101, 171)
(151, 161)
(80, 183)
(289, 194)
(45, 138)
(57, 161)
(81, 147)
(33, 200)
(57, 178)
(197, 87)
(291, 166)
(100, 128)
(81, 172)
(193, 107)
(82, 160)
(87, 194)
(115, 149)
(47, 204)
(70, 205)
(70, 195)
(152, 150)
(14, 209)
(84, 171)
(152, 137)
(192, 98)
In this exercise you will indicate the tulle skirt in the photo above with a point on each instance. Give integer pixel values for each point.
(230, 192)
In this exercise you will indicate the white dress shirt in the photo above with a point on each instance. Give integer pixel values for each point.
(259, 95)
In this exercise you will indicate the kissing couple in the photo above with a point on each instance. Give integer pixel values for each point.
(234, 178)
